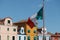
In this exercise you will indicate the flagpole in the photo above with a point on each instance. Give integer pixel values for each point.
(43, 21)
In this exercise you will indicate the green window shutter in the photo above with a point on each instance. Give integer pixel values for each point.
(19, 37)
(28, 37)
(35, 38)
(34, 31)
(28, 31)
(24, 38)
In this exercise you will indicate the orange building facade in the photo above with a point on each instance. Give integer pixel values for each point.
(31, 32)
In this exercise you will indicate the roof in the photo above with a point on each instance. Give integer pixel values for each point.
(2, 20)
(19, 22)
(49, 33)
(30, 23)
(7, 17)
(56, 35)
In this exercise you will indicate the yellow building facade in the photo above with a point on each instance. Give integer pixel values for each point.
(31, 32)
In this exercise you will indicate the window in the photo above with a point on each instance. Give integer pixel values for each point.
(34, 31)
(49, 38)
(7, 37)
(24, 38)
(35, 38)
(44, 37)
(13, 37)
(14, 29)
(28, 31)
(9, 21)
(7, 29)
(28, 37)
(19, 37)
(22, 30)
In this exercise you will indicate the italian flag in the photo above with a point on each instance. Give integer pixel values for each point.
(37, 16)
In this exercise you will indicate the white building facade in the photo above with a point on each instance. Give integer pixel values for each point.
(46, 35)
(22, 35)
(40, 37)
(7, 30)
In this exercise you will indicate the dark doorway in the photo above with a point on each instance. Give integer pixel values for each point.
(13, 37)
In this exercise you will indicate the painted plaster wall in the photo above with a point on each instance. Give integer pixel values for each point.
(31, 34)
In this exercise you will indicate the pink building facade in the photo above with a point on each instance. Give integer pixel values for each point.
(7, 30)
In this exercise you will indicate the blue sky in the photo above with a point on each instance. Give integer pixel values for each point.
(22, 9)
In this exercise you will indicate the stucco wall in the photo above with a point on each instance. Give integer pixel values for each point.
(31, 34)
(4, 32)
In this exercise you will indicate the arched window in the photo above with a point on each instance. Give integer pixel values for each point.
(22, 30)
(28, 38)
(8, 21)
